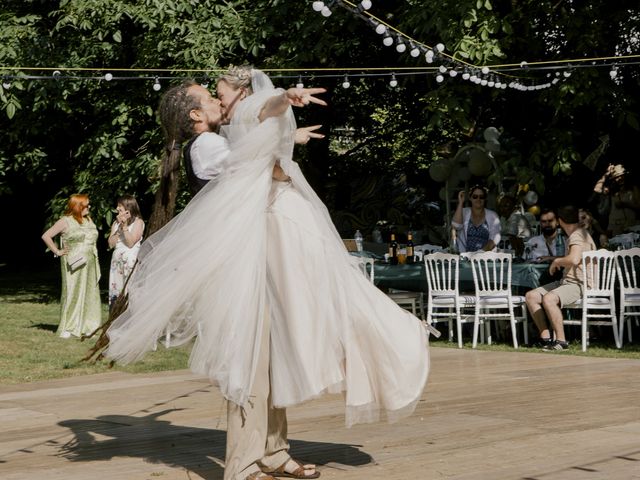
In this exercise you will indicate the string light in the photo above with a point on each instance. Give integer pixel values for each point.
(393, 82)
(156, 84)
(318, 6)
(400, 45)
(6, 83)
(439, 78)
(108, 77)
(365, 4)
(387, 40)
(415, 51)
(345, 82)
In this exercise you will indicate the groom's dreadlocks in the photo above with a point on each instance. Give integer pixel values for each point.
(177, 127)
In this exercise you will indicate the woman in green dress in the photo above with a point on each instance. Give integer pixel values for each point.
(80, 301)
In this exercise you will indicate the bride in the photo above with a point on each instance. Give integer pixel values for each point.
(249, 247)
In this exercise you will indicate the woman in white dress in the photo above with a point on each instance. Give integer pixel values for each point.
(245, 244)
(125, 239)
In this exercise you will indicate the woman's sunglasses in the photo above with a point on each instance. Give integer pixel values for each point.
(476, 197)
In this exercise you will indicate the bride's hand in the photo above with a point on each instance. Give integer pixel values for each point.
(299, 97)
(304, 134)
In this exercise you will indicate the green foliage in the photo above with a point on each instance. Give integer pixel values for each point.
(102, 137)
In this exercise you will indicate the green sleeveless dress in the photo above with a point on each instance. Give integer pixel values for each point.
(80, 301)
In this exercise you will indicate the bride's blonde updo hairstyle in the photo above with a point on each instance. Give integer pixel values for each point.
(238, 77)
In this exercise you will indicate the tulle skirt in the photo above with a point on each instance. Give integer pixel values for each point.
(331, 328)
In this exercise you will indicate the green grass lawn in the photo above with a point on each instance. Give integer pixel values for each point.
(30, 350)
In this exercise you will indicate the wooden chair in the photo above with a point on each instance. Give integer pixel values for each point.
(598, 303)
(493, 297)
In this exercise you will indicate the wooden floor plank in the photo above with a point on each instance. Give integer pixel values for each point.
(484, 415)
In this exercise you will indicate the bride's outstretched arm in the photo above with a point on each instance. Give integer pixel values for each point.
(297, 97)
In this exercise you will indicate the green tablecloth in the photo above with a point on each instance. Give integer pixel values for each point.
(524, 276)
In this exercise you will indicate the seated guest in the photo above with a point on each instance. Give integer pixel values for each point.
(543, 247)
(592, 226)
(516, 224)
(545, 303)
(477, 227)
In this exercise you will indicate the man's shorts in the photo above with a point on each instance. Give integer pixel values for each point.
(567, 292)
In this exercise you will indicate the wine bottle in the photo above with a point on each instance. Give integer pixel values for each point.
(410, 252)
(393, 250)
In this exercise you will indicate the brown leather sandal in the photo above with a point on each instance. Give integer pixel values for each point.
(297, 473)
(259, 476)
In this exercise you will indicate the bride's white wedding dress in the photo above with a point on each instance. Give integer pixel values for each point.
(246, 243)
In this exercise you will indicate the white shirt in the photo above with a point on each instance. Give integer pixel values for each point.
(209, 154)
(539, 248)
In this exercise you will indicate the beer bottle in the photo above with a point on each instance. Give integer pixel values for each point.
(410, 252)
(393, 250)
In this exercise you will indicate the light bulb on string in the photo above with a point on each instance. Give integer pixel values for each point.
(317, 6)
(108, 77)
(439, 78)
(387, 40)
(440, 47)
(442, 69)
(566, 74)
(415, 51)
(381, 29)
(429, 56)
(400, 45)
(483, 82)
(466, 75)
(365, 4)
(56, 75)
(156, 85)
(453, 72)
(491, 82)
(326, 11)
(485, 70)
(346, 83)
(300, 84)
(6, 83)
(205, 81)
(393, 82)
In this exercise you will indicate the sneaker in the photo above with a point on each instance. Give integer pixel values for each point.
(542, 343)
(557, 345)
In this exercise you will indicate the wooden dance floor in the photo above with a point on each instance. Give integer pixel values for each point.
(484, 415)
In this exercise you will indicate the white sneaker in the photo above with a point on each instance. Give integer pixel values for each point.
(65, 334)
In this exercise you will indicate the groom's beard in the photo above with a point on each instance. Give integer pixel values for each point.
(547, 231)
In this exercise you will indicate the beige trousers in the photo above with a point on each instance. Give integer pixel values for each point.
(257, 433)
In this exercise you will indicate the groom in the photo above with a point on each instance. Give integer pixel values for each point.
(256, 432)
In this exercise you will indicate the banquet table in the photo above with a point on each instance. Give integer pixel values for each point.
(524, 276)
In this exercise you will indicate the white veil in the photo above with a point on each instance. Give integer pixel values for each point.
(203, 274)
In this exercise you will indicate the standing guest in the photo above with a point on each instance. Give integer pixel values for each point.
(545, 303)
(544, 247)
(477, 227)
(80, 300)
(125, 238)
(620, 199)
(591, 225)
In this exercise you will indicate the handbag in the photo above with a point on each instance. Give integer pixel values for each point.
(76, 261)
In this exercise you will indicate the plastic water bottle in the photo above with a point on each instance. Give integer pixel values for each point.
(358, 239)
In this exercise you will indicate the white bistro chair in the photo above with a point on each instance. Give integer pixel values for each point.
(598, 303)
(444, 302)
(493, 297)
(628, 269)
(366, 267)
